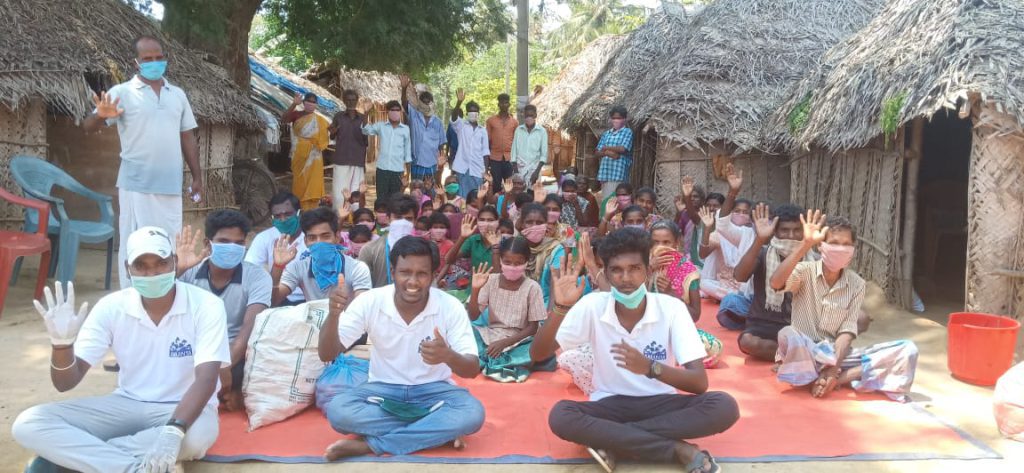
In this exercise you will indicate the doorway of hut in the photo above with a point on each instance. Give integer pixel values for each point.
(940, 247)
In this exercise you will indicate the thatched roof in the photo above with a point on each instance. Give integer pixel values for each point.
(736, 62)
(379, 87)
(644, 49)
(554, 103)
(931, 53)
(55, 48)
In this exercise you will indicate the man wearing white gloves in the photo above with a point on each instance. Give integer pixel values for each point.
(171, 341)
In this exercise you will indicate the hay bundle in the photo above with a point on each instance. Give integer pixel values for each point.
(556, 102)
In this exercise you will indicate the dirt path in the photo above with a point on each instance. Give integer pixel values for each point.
(24, 381)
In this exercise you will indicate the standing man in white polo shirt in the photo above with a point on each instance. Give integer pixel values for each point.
(155, 124)
(171, 341)
(645, 349)
(419, 335)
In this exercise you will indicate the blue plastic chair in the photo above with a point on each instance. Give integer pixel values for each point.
(37, 178)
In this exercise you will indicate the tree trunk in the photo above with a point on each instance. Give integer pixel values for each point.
(218, 27)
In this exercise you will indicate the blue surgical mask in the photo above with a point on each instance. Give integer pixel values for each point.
(226, 255)
(152, 70)
(288, 226)
(631, 300)
(154, 287)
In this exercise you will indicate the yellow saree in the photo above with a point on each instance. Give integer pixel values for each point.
(309, 139)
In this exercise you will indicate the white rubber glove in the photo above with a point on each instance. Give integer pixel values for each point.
(61, 320)
(162, 456)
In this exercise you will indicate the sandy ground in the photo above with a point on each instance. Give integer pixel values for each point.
(24, 381)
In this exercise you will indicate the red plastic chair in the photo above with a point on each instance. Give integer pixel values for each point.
(14, 245)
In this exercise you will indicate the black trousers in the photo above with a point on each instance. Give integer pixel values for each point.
(500, 170)
(388, 183)
(648, 427)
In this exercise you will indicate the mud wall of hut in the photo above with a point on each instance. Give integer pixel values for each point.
(864, 185)
(765, 177)
(995, 219)
(22, 131)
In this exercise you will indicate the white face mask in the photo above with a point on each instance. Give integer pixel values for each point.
(473, 116)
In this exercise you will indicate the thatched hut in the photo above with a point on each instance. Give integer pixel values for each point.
(55, 53)
(709, 97)
(645, 49)
(567, 141)
(920, 116)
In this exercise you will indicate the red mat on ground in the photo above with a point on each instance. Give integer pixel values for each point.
(778, 423)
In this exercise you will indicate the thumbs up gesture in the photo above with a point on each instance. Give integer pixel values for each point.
(339, 297)
(435, 351)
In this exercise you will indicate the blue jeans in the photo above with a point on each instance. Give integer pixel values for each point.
(467, 183)
(733, 311)
(350, 413)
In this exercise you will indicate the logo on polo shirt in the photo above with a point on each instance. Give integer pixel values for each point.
(655, 352)
(180, 348)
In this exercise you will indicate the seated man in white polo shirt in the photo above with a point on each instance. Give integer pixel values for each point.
(419, 336)
(316, 270)
(244, 287)
(639, 341)
(171, 341)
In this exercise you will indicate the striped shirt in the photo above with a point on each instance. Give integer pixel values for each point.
(510, 311)
(822, 312)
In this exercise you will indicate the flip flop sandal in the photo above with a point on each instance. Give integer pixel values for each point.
(697, 464)
(602, 458)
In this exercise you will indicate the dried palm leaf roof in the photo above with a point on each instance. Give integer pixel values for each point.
(735, 63)
(644, 48)
(555, 102)
(913, 59)
(55, 48)
(379, 87)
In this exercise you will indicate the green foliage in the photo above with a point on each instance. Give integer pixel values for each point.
(798, 117)
(891, 108)
(268, 38)
(589, 20)
(388, 35)
(482, 75)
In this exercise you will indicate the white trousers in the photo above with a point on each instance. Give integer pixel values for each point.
(106, 434)
(345, 177)
(139, 210)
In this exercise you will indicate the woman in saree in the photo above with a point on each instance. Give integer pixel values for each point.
(309, 140)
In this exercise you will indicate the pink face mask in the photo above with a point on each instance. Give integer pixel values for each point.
(353, 249)
(394, 115)
(420, 233)
(739, 219)
(623, 200)
(438, 234)
(835, 257)
(470, 210)
(485, 227)
(513, 273)
(535, 233)
(553, 216)
(618, 123)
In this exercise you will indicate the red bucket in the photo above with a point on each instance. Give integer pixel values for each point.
(980, 346)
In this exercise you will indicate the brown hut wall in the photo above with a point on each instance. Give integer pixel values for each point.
(91, 158)
(765, 177)
(995, 222)
(22, 131)
(864, 185)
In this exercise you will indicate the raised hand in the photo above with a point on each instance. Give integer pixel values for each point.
(506, 184)
(538, 89)
(435, 351)
(297, 99)
(611, 208)
(814, 227)
(62, 322)
(404, 80)
(568, 288)
(586, 250)
(105, 108)
(339, 297)
(662, 256)
(404, 180)
(707, 218)
(442, 159)
(468, 225)
(491, 238)
(186, 243)
(480, 276)
(460, 94)
(485, 187)
(734, 176)
(686, 185)
(344, 210)
(363, 188)
(680, 205)
(764, 224)
(630, 358)
(284, 252)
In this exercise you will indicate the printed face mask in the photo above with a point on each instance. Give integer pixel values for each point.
(785, 247)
